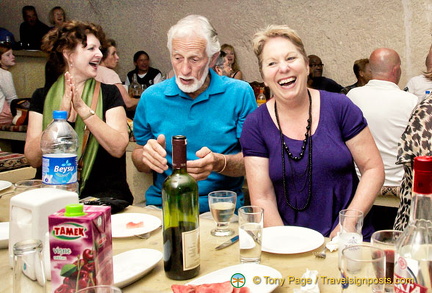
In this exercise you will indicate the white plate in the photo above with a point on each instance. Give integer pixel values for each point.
(5, 184)
(131, 265)
(119, 222)
(4, 234)
(290, 239)
(249, 271)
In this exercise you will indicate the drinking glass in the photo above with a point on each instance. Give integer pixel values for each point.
(28, 270)
(100, 289)
(386, 240)
(25, 185)
(17, 188)
(351, 223)
(251, 221)
(363, 267)
(222, 204)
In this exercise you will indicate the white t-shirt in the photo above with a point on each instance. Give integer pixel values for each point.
(7, 88)
(418, 85)
(387, 110)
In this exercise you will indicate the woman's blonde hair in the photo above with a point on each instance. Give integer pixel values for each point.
(273, 31)
(51, 14)
(235, 67)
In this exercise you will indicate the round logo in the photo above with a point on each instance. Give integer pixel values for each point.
(402, 263)
(238, 280)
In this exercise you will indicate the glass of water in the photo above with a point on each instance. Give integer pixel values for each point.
(222, 204)
(251, 222)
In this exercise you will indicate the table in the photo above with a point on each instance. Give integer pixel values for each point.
(290, 266)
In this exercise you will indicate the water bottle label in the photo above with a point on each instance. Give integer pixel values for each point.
(59, 169)
(407, 274)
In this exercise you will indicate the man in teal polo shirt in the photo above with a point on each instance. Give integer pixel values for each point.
(207, 108)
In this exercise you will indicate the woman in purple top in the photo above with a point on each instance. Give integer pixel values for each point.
(300, 147)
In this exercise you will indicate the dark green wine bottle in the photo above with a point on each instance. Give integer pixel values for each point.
(180, 207)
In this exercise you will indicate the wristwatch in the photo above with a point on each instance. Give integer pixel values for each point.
(91, 113)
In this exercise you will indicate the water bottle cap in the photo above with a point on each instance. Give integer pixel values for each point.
(74, 210)
(59, 114)
(423, 163)
(427, 92)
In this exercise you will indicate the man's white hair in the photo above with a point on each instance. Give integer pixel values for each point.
(195, 25)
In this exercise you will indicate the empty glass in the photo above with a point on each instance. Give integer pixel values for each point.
(25, 185)
(29, 274)
(251, 223)
(363, 266)
(351, 224)
(222, 204)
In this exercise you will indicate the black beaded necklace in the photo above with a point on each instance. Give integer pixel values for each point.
(285, 148)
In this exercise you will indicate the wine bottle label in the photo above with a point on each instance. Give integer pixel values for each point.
(191, 249)
(58, 169)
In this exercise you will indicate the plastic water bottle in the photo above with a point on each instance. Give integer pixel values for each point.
(59, 144)
(413, 259)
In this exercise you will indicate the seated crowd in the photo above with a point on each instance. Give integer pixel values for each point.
(365, 128)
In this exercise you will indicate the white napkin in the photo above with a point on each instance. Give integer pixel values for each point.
(309, 288)
(333, 245)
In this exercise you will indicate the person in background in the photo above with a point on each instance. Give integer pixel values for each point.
(387, 109)
(191, 104)
(57, 16)
(415, 141)
(146, 75)
(32, 29)
(362, 72)
(222, 66)
(74, 48)
(418, 85)
(232, 58)
(300, 147)
(106, 73)
(7, 88)
(7, 37)
(317, 80)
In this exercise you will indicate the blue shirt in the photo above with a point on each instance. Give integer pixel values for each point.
(213, 119)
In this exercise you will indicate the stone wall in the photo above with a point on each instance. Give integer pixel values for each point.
(339, 31)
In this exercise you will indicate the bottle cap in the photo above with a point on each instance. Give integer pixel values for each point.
(59, 114)
(74, 210)
(422, 182)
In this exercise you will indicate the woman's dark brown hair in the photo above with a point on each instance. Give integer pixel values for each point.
(66, 37)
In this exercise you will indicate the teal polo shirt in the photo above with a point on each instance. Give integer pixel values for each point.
(213, 119)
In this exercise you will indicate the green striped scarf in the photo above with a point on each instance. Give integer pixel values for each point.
(52, 102)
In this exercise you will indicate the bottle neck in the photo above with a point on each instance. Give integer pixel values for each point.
(421, 203)
(179, 154)
(421, 207)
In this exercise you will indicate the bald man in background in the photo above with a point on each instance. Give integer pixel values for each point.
(387, 110)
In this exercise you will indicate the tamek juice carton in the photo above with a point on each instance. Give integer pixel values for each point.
(80, 247)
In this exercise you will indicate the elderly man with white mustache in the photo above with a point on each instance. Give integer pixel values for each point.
(198, 103)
